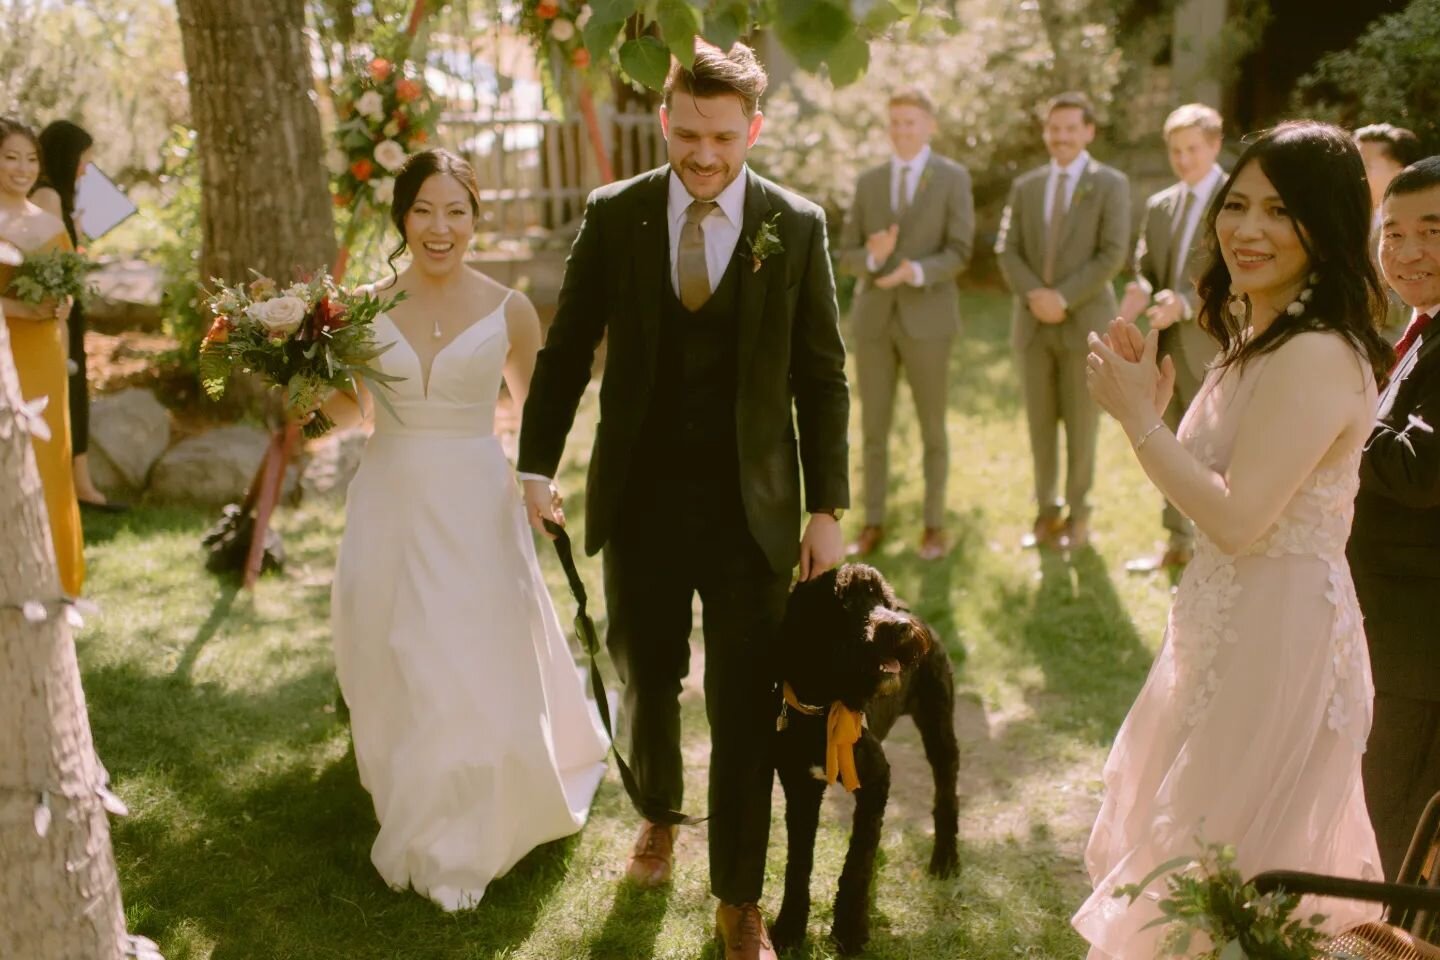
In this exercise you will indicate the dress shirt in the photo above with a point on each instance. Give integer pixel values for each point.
(1203, 191)
(721, 228)
(1073, 173)
(916, 166)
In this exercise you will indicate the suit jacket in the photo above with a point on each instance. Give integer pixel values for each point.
(1183, 340)
(1394, 548)
(1094, 241)
(792, 403)
(937, 232)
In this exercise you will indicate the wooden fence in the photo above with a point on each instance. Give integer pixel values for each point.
(535, 172)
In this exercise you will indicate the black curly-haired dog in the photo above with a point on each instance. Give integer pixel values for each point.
(845, 637)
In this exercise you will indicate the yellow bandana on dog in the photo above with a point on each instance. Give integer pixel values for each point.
(842, 732)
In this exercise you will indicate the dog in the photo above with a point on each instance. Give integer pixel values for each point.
(846, 640)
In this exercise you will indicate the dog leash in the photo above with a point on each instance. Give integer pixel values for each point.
(590, 640)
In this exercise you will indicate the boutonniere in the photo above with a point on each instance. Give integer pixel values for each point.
(1082, 190)
(924, 179)
(765, 242)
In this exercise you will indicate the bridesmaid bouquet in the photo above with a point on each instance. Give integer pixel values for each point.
(306, 339)
(53, 275)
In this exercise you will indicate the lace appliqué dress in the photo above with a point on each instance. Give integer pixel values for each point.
(472, 730)
(1252, 722)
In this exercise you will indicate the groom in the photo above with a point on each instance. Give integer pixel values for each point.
(724, 377)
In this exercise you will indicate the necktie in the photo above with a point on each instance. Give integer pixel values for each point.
(1058, 209)
(1412, 333)
(1177, 236)
(690, 262)
(902, 199)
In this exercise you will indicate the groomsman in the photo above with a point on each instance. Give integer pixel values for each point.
(1063, 238)
(1168, 259)
(907, 237)
(1394, 548)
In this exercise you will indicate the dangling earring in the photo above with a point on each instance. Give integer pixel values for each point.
(1237, 305)
(1297, 306)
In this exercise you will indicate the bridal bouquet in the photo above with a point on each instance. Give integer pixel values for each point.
(53, 275)
(306, 339)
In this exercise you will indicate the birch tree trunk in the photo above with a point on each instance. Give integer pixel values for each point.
(265, 199)
(59, 896)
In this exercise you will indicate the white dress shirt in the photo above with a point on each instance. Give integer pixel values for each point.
(915, 167)
(721, 229)
(1203, 191)
(1072, 172)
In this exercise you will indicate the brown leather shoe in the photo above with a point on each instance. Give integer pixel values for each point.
(1046, 533)
(1076, 535)
(1175, 557)
(653, 859)
(868, 541)
(934, 544)
(742, 928)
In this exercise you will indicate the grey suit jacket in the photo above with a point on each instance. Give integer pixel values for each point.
(1184, 339)
(937, 232)
(1093, 246)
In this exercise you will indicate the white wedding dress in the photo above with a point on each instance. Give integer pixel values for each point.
(473, 733)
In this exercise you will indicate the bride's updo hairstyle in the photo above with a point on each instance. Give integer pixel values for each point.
(1317, 170)
(412, 176)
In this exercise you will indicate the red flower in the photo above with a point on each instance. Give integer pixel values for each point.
(342, 199)
(219, 331)
(407, 90)
(418, 136)
(580, 58)
(380, 69)
(547, 10)
(361, 169)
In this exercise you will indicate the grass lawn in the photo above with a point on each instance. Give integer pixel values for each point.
(249, 834)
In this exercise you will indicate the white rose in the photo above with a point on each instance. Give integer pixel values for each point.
(370, 104)
(300, 291)
(384, 189)
(390, 155)
(562, 30)
(336, 161)
(281, 316)
(585, 14)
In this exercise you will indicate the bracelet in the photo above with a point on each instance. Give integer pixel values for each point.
(1146, 435)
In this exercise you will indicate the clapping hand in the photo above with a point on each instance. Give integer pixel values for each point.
(1168, 310)
(881, 244)
(1136, 299)
(1123, 377)
(905, 273)
(1046, 305)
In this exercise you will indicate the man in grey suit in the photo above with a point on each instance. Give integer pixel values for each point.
(1063, 238)
(1169, 257)
(907, 237)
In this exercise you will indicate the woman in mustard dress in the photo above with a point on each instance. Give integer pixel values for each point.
(38, 342)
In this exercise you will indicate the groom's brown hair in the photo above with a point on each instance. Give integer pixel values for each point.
(719, 73)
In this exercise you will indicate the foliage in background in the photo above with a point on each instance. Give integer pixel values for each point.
(1390, 75)
(986, 82)
(113, 66)
(1209, 904)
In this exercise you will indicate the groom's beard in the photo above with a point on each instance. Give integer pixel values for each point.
(703, 187)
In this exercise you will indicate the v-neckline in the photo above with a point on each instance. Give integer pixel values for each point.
(427, 372)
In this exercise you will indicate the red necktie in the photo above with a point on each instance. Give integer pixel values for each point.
(1412, 333)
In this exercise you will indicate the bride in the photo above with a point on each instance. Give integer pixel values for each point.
(1251, 725)
(472, 731)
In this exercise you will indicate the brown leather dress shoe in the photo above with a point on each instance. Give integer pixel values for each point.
(742, 928)
(1175, 557)
(653, 859)
(934, 544)
(1046, 533)
(868, 541)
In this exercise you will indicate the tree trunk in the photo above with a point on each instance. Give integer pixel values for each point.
(59, 896)
(265, 202)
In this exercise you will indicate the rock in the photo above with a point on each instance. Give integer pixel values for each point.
(129, 431)
(333, 461)
(214, 467)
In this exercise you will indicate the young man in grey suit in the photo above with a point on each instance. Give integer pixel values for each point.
(907, 237)
(1063, 238)
(1168, 258)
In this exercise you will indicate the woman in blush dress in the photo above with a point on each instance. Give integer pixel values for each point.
(472, 730)
(1251, 725)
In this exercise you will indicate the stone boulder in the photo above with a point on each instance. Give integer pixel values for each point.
(129, 432)
(332, 462)
(214, 467)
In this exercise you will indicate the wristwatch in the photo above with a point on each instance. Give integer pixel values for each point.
(835, 513)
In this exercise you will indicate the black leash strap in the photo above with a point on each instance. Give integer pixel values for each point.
(589, 639)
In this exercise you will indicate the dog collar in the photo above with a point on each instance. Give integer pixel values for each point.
(842, 731)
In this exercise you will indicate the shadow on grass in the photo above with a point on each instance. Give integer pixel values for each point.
(633, 925)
